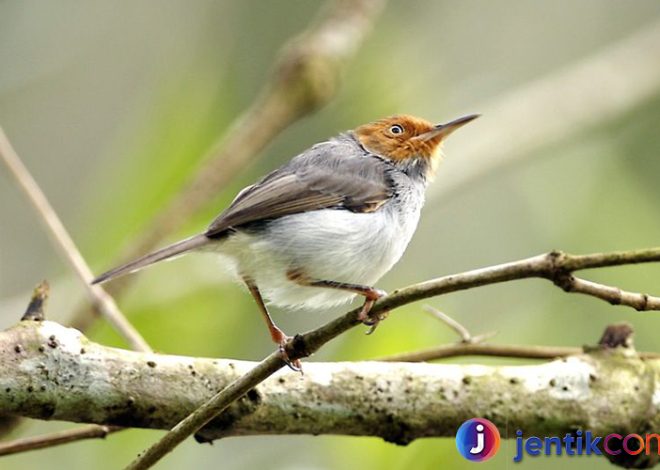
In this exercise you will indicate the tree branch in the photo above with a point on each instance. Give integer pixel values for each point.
(57, 438)
(520, 351)
(480, 349)
(144, 406)
(102, 301)
(459, 329)
(555, 266)
(60, 374)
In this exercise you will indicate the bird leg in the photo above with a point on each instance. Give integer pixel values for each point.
(371, 294)
(278, 336)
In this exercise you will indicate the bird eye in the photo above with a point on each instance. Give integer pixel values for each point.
(396, 129)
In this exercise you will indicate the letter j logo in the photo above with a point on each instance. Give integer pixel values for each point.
(478, 439)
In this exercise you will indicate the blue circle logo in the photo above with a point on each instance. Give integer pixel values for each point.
(478, 439)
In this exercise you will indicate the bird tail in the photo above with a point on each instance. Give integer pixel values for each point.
(159, 255)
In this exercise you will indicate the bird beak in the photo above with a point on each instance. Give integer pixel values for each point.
(443, 130)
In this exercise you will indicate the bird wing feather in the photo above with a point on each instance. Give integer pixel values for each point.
(337, 175)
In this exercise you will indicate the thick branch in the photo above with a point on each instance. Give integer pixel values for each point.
(53, 372)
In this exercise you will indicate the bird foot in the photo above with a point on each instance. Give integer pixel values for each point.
(374, 320)
(281, 339)
(365, 315)
(294, 364)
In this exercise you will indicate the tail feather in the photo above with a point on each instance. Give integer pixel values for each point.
(159, 255)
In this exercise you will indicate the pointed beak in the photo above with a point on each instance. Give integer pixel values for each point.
(441, 131)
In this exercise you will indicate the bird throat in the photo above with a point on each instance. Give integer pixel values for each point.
(419, 168)
(418, 161)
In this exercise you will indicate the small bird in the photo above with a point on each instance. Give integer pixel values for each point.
(327, 225)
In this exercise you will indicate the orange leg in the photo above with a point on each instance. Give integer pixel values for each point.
(371, 294)
(278, 336)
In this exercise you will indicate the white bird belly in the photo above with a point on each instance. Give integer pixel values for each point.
(329, 244)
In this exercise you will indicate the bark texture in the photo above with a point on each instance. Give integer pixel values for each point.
(53, 372)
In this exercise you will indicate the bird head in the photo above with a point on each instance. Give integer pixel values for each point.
(407, 139)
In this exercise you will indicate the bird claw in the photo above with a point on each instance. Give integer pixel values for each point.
(295, 364)
(281, 339)
(372, 328)
(372, 320)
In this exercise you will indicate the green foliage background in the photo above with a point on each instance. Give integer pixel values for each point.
(112, 104)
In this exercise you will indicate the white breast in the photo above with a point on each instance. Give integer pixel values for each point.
(334, 245)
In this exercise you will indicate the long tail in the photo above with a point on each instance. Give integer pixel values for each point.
(159, 255)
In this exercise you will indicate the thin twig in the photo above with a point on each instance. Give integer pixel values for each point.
(92, 431)
(306, 76)
(483, 337)
(99, 297)
(36, 307)
(554, 266)
(518, 351)
(615, 335)
(463, 332)
(613, 295)
(479, 349)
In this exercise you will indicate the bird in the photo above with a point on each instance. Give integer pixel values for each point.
(326, 226)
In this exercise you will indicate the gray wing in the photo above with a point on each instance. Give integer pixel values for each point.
(332, 174)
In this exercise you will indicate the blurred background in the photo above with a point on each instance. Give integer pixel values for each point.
(112, 105)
